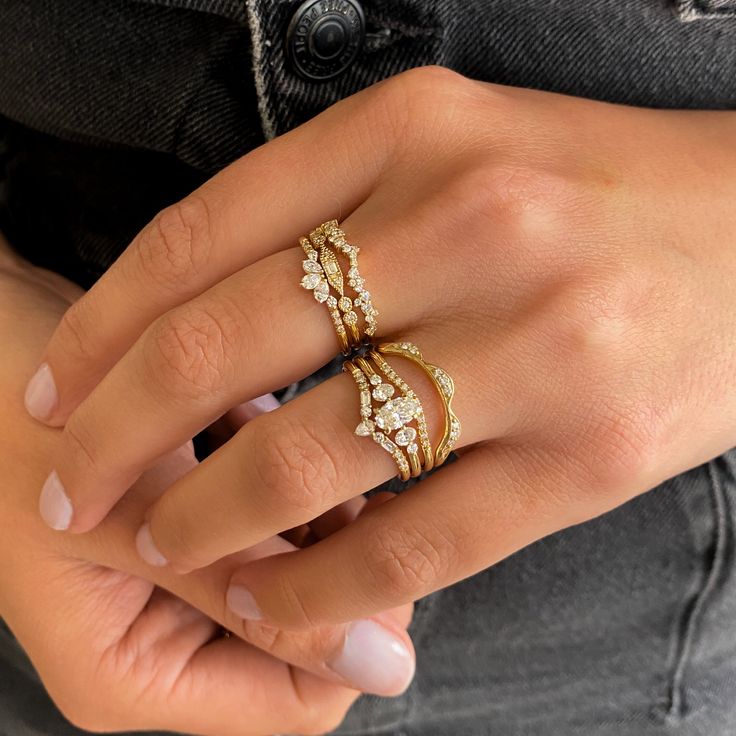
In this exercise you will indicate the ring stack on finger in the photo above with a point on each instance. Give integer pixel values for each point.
(325, 278)
(390, 411)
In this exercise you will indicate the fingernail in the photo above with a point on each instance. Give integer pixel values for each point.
(372, 659)
(254, 408)
(41, 396)
(242, 603)
(147, 549)
(55, 506)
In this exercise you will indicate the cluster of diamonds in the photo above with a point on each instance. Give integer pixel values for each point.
(316, 279)
(330, 274)
(446, 386)
(393, 413)
(408, 434)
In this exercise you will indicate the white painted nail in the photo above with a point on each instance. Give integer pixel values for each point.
(374, 660)
(254, 408)
(55, 506)
(242, 603)
(147, 548)
(41, 396)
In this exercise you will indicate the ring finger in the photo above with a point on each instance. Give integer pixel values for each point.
(252, 333)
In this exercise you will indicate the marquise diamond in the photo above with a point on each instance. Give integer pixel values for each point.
(311, 280)
(311, 266)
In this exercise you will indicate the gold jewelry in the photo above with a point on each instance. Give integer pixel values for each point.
(389, 415)
(323, 271)
(445, 387)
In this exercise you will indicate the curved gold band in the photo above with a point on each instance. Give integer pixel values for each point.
(445, 388)
(396, 423)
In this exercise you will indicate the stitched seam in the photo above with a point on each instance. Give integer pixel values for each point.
(268, 124)
(689, 10)
(677, 705)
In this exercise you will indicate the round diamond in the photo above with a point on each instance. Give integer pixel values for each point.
(412, 448)
(321, 291)
(350, 318)
(332, 303)
(405, 436)
(375, 379)
(383, 392)
(345, 303)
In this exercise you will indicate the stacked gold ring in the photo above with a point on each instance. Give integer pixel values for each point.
(324, 276)
(390, 411)
(398, 423)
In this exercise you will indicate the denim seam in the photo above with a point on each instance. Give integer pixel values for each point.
(677, 706)
(258, 40)
(690, 10)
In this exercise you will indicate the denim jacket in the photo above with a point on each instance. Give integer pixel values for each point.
(87, 84)
(111, 109)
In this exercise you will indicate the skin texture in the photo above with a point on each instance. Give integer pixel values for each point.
(120, 645)
(568, 262)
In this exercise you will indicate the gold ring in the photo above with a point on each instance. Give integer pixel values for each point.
(445, 388)
(323, 275)
(389, 419)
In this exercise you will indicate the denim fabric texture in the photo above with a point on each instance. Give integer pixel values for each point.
(111, 109)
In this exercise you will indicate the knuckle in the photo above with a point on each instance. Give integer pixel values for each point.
(190, 350)
(625, 442)
(428, 83)
(74, 331)
(297, 468)
(418, 102)
(176, 535)
(177, 243)
(602, 308)
(408, 561)
(80, 448)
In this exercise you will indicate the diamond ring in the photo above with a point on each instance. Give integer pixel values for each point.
(392, 414)
(325, 278)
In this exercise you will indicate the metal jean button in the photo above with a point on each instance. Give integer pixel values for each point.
(324, 37)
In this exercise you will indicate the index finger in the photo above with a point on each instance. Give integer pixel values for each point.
(249, 210)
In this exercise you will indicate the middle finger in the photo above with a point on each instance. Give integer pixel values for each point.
(252, 333)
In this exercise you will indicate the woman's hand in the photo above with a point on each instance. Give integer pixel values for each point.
(570, 263)
(121, 645)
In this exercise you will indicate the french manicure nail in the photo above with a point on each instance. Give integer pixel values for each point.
(242, 603)
(41, 396)
(373, 659)
(147, 548)
(55, 506)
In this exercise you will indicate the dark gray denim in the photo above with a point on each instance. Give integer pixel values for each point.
(110, 109)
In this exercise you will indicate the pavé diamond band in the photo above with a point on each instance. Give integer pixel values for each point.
(445, 388)
(325, 278)
(390, 411)
(392, 414)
